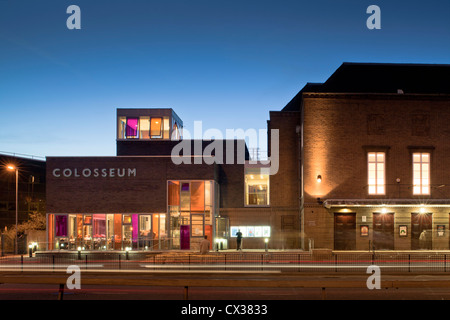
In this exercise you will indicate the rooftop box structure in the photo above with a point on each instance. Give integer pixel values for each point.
(148, 124)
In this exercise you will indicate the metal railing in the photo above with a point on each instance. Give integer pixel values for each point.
(302, 262)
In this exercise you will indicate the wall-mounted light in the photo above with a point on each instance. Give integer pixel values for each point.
(384, 210)
(319, 178)
(422, 209)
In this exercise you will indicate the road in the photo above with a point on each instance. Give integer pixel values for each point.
(219, 285)
(105, 292)
(146, 291)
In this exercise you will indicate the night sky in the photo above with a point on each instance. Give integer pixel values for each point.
(226, 63)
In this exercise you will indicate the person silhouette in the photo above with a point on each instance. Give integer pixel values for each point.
(239, 240)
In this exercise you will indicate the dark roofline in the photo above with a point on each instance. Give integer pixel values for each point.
(380, 78)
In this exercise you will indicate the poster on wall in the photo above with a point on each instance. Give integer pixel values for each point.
(403, 231)
(251, 231)
(364, 231)
(233, 231)
(440, 230)
(266, 232)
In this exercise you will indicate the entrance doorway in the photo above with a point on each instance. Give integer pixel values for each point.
(383, 231)
(421, 231)
(345, 231)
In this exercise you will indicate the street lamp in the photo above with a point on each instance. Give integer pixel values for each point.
(14, 168)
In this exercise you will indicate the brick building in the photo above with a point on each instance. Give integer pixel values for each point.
(374, 157)
(362, 164)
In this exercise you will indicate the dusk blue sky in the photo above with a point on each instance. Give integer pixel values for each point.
(226, 63)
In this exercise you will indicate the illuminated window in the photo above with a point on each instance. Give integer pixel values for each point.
(132, 128)
(144, 127)
(60, 226)
(127, 219)
(122, 127)
(256, 187)
(176, 132)
(251, 231)
(87, 219)
(197, 225)
(376, 172)
(421, 173)
(156, 128)
(166, 128)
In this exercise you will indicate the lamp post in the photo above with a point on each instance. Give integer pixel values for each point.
(14, 168)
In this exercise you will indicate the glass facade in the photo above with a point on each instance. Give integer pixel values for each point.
(190, 217)
(148, 128)
(107, 231)
(191, 211)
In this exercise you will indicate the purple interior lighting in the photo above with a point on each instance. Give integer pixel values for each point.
(132, 126)
(61, 226)
(134, 219)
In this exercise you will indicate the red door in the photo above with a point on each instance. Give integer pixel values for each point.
(345, 231)
(383, 231)
(421, 231)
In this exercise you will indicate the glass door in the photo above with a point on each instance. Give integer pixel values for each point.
(159, 230)
(99, 232)
(127, 232)
(110, 232)
(87, 232)
(146, 234)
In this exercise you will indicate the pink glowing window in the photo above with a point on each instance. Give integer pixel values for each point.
(60, 226)
(132, 127)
